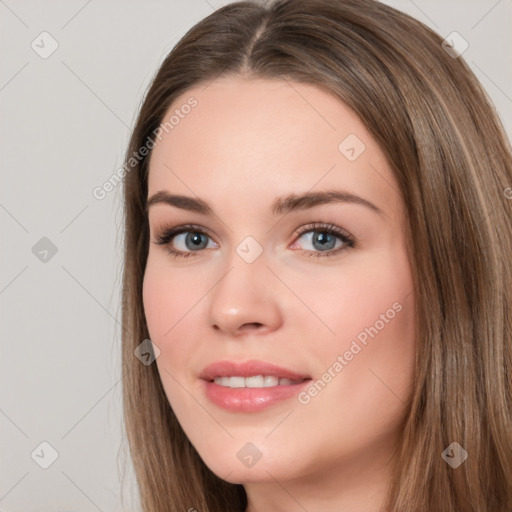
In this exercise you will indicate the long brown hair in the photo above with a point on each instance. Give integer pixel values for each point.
(452, 161)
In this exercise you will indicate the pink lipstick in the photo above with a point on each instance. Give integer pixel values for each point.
(250, 386)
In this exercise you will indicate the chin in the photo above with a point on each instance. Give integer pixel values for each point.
(242, 463)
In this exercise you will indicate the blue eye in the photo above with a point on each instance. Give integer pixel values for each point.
(324, 237)
(192, 239)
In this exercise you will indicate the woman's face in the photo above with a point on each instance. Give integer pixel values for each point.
(319, 287)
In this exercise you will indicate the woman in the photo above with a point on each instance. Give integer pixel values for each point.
(317, 242)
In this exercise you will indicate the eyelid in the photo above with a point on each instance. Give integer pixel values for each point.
(166, 232)
(324, 226)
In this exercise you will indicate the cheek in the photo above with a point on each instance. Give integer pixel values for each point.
(370, 311)
(166, 303)
(365, 294)
(372, 355)
(167, 296)
(157, 299)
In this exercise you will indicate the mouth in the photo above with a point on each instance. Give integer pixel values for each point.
(250, 386)
(251, 374)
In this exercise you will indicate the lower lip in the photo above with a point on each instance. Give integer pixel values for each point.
(250, 399)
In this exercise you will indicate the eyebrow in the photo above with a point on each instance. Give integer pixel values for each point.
(280, 206)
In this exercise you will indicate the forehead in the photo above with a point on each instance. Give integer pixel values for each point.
(260, 138)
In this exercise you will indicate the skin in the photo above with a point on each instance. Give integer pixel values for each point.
(247, 142)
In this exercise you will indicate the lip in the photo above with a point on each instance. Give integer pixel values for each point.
(249, 399)
(247, 369)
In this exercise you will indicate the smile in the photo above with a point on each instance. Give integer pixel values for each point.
(255, 381)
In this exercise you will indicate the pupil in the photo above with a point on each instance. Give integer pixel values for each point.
(195, 238)
(323, 239)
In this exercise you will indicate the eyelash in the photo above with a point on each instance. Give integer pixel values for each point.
(168, 234)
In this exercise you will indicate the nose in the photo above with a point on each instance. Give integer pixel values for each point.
(245, 300)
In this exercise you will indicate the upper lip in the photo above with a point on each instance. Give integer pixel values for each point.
(248, 369)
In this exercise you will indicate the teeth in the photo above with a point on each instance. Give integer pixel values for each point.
(256, 381)
(236, 382)
(270, 381)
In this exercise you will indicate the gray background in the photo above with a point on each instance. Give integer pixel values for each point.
(65, 122)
